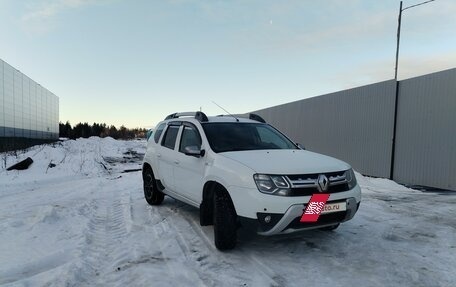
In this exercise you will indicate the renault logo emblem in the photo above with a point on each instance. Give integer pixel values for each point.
(322, 183)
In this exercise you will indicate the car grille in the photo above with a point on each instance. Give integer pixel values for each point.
(307, 184)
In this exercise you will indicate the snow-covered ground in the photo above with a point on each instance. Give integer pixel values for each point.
(85, 223)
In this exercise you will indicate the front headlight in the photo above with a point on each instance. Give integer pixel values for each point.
(272, 184)
(351, 179)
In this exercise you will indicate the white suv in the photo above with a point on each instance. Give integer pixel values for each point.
(244, 173)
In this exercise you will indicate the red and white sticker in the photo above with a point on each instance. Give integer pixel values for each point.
(314, 208)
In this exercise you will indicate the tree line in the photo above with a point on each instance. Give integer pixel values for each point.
(84, 130)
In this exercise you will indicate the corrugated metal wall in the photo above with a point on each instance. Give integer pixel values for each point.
(354, 125)
(426, 131)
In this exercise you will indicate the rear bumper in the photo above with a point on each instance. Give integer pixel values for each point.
(290, 221)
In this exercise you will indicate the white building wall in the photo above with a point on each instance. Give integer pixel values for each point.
(26, 108)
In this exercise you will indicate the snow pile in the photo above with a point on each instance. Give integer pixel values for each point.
(82, 157)
(381, 185)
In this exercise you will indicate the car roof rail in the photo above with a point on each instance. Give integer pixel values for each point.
(254, 117)
(200, 116)
(257, 118)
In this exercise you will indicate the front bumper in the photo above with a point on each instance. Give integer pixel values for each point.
(252, 206)
(290, 221)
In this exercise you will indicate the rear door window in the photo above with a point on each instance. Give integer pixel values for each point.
(158, 132)
(169, 140)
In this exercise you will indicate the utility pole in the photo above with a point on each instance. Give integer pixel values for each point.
(398, 39)
(396, 98)
(399, 31)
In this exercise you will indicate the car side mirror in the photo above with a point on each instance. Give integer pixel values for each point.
(193, 150)
(300, 146)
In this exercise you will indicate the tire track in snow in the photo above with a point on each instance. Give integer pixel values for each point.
(266, 273)
(164, 229)
(148, 225)
(150, 248)
(105, 231)
(128, 242)
(93, 251)
(188, 253)
(209, 262)
(260, 266)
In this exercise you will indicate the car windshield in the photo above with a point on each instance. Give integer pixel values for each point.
(225, 137)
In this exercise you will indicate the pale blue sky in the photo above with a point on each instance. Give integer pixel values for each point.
(134, 62)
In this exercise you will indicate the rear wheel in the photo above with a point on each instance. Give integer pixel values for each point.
(152, 195)
(225, 221)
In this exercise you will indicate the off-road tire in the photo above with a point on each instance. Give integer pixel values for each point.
(225, 221)
(152, 195)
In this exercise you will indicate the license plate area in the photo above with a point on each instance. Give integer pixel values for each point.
(334, 207)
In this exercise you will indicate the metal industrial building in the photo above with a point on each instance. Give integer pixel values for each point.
(402, 130)
(29, 113)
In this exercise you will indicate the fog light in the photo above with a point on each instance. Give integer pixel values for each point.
(267, 219)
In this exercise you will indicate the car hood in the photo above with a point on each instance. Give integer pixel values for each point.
(286, 161)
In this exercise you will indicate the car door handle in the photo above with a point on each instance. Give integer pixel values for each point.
(176, 162)
(159, 155)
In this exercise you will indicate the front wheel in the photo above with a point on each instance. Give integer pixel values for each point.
(152, 195)
(225, 221)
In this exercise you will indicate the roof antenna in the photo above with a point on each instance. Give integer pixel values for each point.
(237, 120)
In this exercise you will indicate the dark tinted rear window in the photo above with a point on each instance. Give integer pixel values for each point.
(169, 140)
(158, 132)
